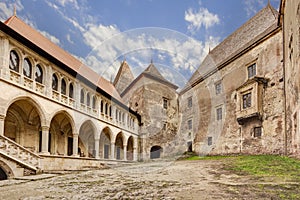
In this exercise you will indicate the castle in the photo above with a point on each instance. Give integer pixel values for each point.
(58, 114)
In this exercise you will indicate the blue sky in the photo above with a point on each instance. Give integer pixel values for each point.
(175, 34)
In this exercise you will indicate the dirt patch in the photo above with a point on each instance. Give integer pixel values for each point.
(202, 179)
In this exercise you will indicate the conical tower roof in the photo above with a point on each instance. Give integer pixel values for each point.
(123, 78)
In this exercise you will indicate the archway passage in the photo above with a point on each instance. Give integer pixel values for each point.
(23, 125)
(3, 175)
(119, 147)
(130, 148)
(104, 144)
(155, 152)
(87, 140)
(61, 139)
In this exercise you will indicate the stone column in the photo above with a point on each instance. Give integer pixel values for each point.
(112, 150)
(134, 153)
(45, 140)
(97, 148)
(75, 145)
(2, 119)
(125, 152)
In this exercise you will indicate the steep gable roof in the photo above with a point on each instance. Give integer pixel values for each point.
(123, 78)
(260, 25)
(61, 55)
(150, 72)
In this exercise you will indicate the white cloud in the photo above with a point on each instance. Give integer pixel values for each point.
(202, 17)
(68, 36)
(65, 3)
(52, 38)
(7, 9)
(252, 6)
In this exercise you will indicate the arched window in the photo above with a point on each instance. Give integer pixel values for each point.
(82, 96)
(94, 102)
(101, 106)
(54, 82)
(116, 115)
(38, 74)
(14, 61)
(106, 108)
(71, 91)
(88, 99)
(27, 68)
(109, 111)
(63, 87)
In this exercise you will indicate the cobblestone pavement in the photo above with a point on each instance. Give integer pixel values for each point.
(153, 180)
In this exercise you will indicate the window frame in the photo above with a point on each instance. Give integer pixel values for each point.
(252, 70)
(165, 103)
(218, 87)
(190, 102)
(54, 86)
(15, 68)
(219, 113)
(190, 124)
(247, 100)
(27, 65)
(39, 78)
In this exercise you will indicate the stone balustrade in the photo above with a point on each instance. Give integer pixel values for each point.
(19, 153)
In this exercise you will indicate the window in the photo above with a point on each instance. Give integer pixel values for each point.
(27, 68)
(71, 91)
(252, 70)
(38, 74)
(54, 82)
(209, 141)
(63, 87)
(190, 102)
(82, 96)
(190, 124)
(165, 103)
(219, 114)
(14, 61)
(164, 126)
(218, 88)
(257, 132)
(247, 100)
(94, 102)
(88, 100)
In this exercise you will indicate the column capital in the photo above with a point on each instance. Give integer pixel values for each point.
(45, 128)
(75, 134)
(2, 117)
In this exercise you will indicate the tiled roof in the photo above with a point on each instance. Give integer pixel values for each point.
(264, 22)
(61, 55)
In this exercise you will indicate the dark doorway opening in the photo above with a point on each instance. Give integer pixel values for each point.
(3, 175)
(190, 146)
(106, 151)
(70, 146)
(155, 152)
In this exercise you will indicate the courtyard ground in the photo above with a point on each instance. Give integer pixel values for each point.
(197, 178)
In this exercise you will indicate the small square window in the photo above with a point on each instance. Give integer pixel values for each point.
(190, 124)
(165, 103)
(257, 132)
(190, 102)
(218, 88)
(209, 141)
(165, 126)
(251, 70)
(219, 114)
(247, 100)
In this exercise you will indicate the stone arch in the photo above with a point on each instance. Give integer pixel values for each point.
(23, 123)
(155, 152)
(37, 105)
(61, 133)
(119, 146)
(6, 170)
(87, 136)
(130, 148)
(105, 143)
(15, 60)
